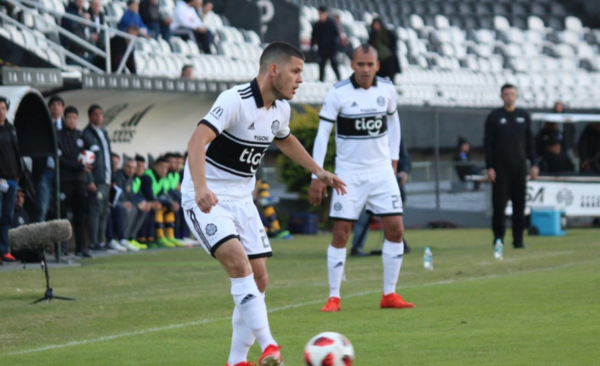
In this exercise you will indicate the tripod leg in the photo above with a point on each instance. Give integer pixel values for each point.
(39, 300)
(64, 298)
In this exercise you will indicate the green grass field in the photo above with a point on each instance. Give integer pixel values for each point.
(540, 306)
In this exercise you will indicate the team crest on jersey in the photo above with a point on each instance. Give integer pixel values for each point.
(337, 206)
(211, 229)
(275, 127)
(381, 101)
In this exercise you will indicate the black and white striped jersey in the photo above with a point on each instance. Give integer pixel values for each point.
(367, 127)
(245, 129)
(366, 123)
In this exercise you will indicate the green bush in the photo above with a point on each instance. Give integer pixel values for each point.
(304, 126)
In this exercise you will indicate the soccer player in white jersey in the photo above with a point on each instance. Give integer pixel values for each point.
(363, 109)
(224, 154)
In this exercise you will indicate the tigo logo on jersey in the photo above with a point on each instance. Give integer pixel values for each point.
(252, 158)
(372, 126)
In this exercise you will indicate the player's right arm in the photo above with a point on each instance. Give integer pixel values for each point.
(225, 109)
(328, 116)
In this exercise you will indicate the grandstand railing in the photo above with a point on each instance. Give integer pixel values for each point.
(108, 31)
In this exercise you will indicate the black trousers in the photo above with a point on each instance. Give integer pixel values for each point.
(511, 184)
(74, 198)
(334, 65)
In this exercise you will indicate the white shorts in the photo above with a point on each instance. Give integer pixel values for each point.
(226, 221)
(377, 189)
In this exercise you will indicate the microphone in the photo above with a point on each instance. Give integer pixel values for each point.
(39, 234)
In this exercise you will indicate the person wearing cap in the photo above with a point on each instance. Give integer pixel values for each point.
(10, 170)
(554, 160)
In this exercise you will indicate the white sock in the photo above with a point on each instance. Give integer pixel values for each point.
(392, 256)
(336, 260)
(252, 307)
(242, 339)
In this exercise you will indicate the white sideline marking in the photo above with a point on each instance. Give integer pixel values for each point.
(276, 309)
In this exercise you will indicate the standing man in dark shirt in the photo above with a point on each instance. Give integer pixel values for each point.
(10, 170)
(73, 178)
(99, 181)
(508, 144)
(325, 34)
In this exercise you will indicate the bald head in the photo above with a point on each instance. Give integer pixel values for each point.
(365, 50)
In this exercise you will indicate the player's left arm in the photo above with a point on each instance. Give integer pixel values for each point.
(394, 133)
(292, 148)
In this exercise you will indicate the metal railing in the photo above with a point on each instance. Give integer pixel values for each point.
(108, 32)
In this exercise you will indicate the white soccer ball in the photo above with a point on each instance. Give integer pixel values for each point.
(86, 157)
(329, 349)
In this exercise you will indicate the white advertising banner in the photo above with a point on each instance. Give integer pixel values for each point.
(578, 199)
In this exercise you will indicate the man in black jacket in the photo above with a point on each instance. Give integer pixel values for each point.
(554, 160)
(508, 144)
(156, 23)
(100, 179)
(325, 34)
(10, 170)
(73, 178)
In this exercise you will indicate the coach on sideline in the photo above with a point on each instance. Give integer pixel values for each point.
(508, 144)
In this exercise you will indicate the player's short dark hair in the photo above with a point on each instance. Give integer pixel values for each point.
(131, 2)
(177, 155)
(5, 101)
(70, 109)
(161, 159)
(277, 51)
(365, 48)
(56, 98)
(140, 158)
(92, 108)
(507, 86)
(322, 9)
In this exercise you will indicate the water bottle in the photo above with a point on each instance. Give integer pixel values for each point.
(498, 250)
(428, 259)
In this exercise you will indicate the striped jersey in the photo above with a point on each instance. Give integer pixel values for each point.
(361, 118)
(245, 129)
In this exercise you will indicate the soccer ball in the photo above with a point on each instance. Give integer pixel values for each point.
(329, 349)
(86, 157)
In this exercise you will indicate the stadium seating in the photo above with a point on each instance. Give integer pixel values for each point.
(451, 53)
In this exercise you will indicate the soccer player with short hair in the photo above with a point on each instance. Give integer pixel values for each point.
(225, 152)
(363, 109)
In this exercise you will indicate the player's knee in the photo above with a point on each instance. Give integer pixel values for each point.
(395, 233)
(341, 233)
(261, 279)
(238, 267)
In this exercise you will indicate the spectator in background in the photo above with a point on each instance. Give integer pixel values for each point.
(549, 131)
(44, 169)
(346, 47)
(187, 72)
(10, 170)
(464, 166)
(100, 179)
(156, 23)
(385, 42)
(20, 215)
(568, 130)
(115, 161)
(187, 23)
(589, 149)
(209, 18)
(73, 179)
(97, 17)
(553, 160)
(133, 204)
(118, 48)
(82, 31)
(326, 36)
(132, 17)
